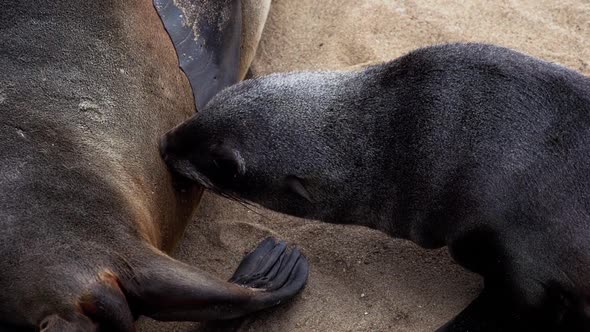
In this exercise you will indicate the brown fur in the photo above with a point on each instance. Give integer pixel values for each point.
(87, 206)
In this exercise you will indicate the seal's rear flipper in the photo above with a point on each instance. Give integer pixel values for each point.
(170, 290)
(207, 38)
(270, 266)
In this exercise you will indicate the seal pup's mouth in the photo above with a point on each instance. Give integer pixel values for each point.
(186, 169)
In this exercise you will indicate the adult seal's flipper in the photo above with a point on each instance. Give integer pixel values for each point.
(207, 37)
(168, 290)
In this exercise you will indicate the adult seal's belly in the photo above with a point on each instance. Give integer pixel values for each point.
(87, 208)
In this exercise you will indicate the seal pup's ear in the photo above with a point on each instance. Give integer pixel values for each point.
(295, 184)
(228, 159)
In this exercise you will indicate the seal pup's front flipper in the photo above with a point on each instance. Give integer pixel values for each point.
(207, 35)
(169, 290)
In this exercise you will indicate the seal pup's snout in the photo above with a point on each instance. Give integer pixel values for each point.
(163, 146)
(171, 148)
(182, 157)
(167, 152)
(179, 141)
(171, 155)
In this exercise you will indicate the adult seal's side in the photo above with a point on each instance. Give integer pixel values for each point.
(87, 207)
(476, 147)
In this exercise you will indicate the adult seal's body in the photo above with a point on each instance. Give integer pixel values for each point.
(87, 207)
(476, 147)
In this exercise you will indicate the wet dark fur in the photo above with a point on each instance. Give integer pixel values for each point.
(476, 147)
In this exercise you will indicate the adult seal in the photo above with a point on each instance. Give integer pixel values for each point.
(87, 207)
(475, 147)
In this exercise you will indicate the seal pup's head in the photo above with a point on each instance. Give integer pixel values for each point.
(286, 141)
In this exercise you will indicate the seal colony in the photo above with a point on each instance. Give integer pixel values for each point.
(475, 147)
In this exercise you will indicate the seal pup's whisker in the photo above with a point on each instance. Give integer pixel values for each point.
(244, 203)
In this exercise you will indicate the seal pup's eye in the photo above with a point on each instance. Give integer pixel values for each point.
(295, 184)
(227, 159)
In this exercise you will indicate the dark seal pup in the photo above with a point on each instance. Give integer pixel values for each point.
(87, 207)
(476, 147)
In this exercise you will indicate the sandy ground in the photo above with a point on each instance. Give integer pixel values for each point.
(360, 279)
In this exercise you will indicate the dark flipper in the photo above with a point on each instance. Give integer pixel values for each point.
(170, 290)
(207, 38)
(268, 266)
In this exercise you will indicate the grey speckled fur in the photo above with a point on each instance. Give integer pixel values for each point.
(477, 147)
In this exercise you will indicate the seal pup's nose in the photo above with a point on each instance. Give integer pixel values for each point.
(163, 147)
